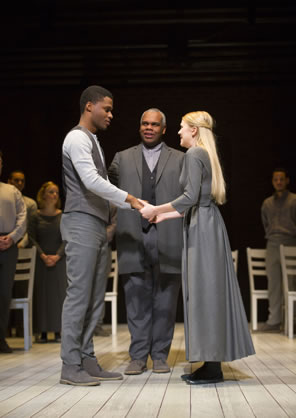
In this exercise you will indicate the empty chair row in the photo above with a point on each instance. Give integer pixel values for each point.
(25, 271)
(257, 269)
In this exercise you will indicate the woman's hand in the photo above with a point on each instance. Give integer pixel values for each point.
(50, 260)
(159, 218)
(53, 259)
(148, 211)
(45, 259)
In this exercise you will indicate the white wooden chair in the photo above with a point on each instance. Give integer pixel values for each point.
(257, 267)
(235, 259)
(112, 295)
(25, 270)
(288, 264)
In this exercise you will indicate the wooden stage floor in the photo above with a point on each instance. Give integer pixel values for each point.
(263, 385)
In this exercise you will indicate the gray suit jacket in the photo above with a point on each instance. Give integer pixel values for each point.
(125, 172)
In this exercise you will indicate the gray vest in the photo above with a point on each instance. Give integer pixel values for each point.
(78, 197)
(148, 189)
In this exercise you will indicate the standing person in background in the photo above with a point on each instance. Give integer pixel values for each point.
(216, 327)
(149, 256)
(50, 274)
(12, 228)
(17, 179)
(83, 226)
(278, 213)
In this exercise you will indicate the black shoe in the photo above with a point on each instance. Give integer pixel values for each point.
(101, 332)
(187, 376)
(270, 328)
(57, 337)
(205, 380)
(42, 339)
(210, 372)
(4, 347)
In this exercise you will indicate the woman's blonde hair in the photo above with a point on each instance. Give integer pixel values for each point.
(206, 139)
(42, 190)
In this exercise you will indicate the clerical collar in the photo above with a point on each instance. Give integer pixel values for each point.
(154, 149)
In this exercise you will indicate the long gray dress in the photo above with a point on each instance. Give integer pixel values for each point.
(216, 327)
(50, 282)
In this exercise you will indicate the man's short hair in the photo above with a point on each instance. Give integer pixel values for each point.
(13, 172)
(281, 170)
(1, 154)
(93, 94)
(154, 109)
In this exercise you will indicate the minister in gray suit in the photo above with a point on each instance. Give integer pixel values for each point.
(149, 255)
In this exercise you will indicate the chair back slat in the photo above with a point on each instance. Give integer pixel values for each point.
(25, 268)
(22, 277)
(114, 271)
(235, 259)
(256, 258)
(288, 264)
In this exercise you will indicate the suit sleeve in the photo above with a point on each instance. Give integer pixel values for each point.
(264, 217)
(111, 228)
(113, 171)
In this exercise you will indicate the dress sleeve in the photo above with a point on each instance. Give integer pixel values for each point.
(192, 175)
(61, 249)
(32, 232)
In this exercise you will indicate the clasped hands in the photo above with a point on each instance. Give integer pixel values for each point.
(5, 242)
(50, 260)
(147, 210)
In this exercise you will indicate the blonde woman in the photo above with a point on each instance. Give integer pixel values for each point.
(216, 327)
(50, 277)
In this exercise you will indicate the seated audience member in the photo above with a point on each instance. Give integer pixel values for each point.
(12, 228)
(50, 276)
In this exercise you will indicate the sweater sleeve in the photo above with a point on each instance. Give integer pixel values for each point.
(21, 218)
(32, 232)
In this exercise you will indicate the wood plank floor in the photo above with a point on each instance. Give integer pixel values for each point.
(263, 385)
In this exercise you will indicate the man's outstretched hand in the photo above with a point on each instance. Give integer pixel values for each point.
(134, 202)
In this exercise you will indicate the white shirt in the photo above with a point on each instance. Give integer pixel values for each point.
(13, 212)
(78, 147)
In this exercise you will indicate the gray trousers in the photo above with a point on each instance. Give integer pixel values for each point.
(151, 302)
(86, 247)
(274, 274)
(8, 259)
(108, 269)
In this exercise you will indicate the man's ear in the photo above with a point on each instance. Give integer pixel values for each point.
(88, 107)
